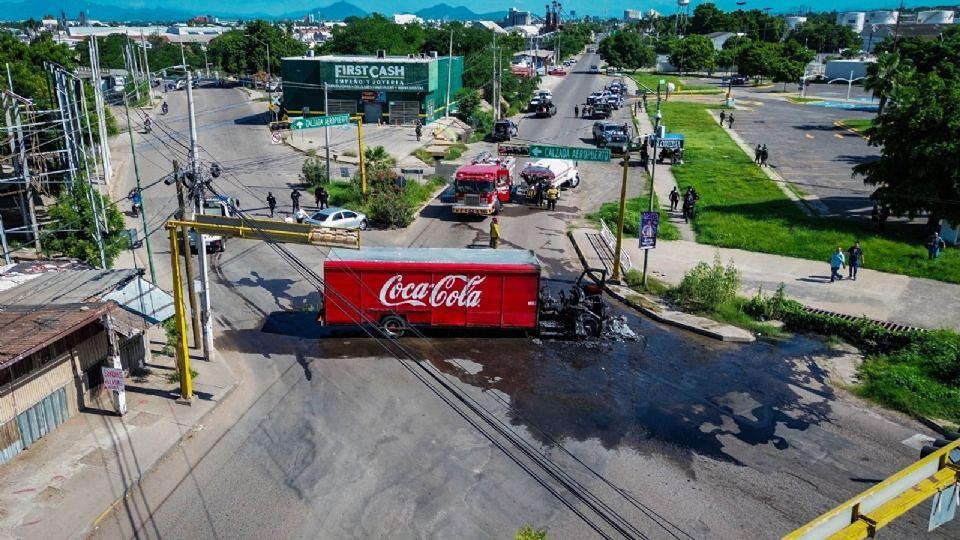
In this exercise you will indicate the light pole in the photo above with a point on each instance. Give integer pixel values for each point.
(849, 82)
(268, 54)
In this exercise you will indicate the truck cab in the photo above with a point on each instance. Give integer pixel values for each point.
(482, 187)
(217, 206)
(546, 173)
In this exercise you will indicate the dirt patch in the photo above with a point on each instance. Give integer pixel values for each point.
(50, 496)
(94, 458)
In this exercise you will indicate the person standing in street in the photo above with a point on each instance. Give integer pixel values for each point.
(687, 209)
(576, 111)
(723, 116)
(324, 198)
(730, 121)
(295, 197)
(854, 260)
(271, 203)
(541, 189)
(837, 262)
(674, 199)
(494, 233)
(552, 195)
(935, 245)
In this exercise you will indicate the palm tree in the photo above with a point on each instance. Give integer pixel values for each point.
(882, 78)
(377, 157)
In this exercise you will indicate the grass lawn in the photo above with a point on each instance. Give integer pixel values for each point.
(796, 99)
(858, 124)
(610, 211)
(347, 195)
(741, 208)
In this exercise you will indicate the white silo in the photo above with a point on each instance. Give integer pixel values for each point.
(882, 17)
(853, 19)
(794, 21)
(938, 16)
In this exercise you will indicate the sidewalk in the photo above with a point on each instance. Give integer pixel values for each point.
(895, 298)
(60, 486)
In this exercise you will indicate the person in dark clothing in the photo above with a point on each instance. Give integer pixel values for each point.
(884, 216)
(730, 121)
(271, 202)
(875, 214)
(723, 116)
(644, 157)
(674, 199)
(419, 130)
(541, 188)
(576, 111)
(935, 245)
(764, 154)
(756, 154)
(295, 197)
(324, 197)
(854, 260)
(687, 210)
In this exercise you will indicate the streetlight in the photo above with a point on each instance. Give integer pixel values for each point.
(849, 82)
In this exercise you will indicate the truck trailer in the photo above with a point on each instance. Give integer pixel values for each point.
(399, 288)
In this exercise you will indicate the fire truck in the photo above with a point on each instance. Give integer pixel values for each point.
(396, 289)
(546, 173)
(482, 187)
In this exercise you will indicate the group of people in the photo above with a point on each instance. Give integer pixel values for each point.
(320, 193)
(853, 260)
(760, 155)
(544, 191)
(690, 199)
(728, 118)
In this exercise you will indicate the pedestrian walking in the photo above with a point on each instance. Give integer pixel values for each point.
(854, 260)
(935, 245)
(645, 101)
(674, 199)
(552, 195)
(271, 203)
(756, 154)
(494, 233)
(295, 197)
(764, 154)
(730, 121)
(644, 157)
(723, 116)
(686, 210)
(837, 262)
(418, 129)
(576, 111)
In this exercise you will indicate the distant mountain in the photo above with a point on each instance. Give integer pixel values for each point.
(456, 13)
(336, 11)
(16, 11)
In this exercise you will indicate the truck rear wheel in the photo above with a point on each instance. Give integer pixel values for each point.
(393, 326)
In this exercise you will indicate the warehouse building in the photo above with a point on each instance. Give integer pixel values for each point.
(382, 89)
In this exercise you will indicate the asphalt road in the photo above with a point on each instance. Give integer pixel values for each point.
(329, 437)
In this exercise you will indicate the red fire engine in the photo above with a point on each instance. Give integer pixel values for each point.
(482, 187)
(396, 288)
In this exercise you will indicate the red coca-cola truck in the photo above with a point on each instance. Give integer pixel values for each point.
(396, 288)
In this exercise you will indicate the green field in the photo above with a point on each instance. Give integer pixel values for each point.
(740, 207)
(858, 124)
(650, 80)
(609, 212)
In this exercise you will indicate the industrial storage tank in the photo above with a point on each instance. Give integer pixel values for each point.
(793, 22)
(853, 19)
(882, 17)
(937, 16)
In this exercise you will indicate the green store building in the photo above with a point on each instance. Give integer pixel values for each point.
(388, 89)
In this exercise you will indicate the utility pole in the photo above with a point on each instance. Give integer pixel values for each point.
(496, 103)
(653, 174)
(146, 64)
(77, 83)
(191, 277)
(143, 209)
(326, 129)
(363, 166)
(206, 318)
(620, 216)
(449, 73)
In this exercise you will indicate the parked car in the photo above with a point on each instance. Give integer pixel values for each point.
(545, 95)
(339, 218)
(273, 86)
(503, 130)
(595, 69)
(614, 101)
(611, 70)
(557, 71)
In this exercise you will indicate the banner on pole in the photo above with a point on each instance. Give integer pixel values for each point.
(649, 223)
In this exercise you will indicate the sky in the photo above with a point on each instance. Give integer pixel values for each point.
(590, 7)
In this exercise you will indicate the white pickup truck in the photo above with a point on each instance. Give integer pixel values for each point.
(558, 173)
(218, 206)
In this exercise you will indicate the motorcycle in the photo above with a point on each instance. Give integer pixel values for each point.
(147, 128)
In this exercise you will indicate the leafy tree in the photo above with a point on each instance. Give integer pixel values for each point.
(709, 18)
(626, 50)
(367, 35)
(758, 59)
(377, 158)
(73, 229)
(468, 103)
(244, 51)
(825, 35)
(881, 78)
(314, 171)
(693, 53)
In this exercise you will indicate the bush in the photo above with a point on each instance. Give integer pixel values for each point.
(172, 336)
(527, 532)
(388, 209)
(706, 287)
(314, 171)
(174, 376)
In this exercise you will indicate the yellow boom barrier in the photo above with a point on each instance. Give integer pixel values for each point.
(875, 508)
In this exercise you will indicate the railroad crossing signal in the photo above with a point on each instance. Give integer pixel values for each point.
(576, 153)
(320, 121)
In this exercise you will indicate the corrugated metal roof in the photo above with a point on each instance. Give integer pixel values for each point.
(436, 255)
(27, 329)
(80, 286)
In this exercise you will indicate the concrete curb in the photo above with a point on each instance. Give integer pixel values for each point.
(135, 485)
(855, 131)
(651, 313)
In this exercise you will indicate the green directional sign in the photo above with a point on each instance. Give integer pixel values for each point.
(320, 121)
(576, 153)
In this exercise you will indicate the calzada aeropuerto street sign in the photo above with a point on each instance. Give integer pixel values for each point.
(320, 121)
(575, 153)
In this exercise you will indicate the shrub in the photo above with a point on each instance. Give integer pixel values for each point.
(314, 171)
(388, 209)
(172, 335)
(527, 532)
(174, 376)
(706, 287)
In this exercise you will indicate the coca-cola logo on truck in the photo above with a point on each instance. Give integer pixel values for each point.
(452, 290)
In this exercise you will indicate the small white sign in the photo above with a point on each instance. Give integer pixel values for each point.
(276, 138)
(112, 378)
(275, 100)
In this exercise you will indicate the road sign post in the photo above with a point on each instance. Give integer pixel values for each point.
(575, 153)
